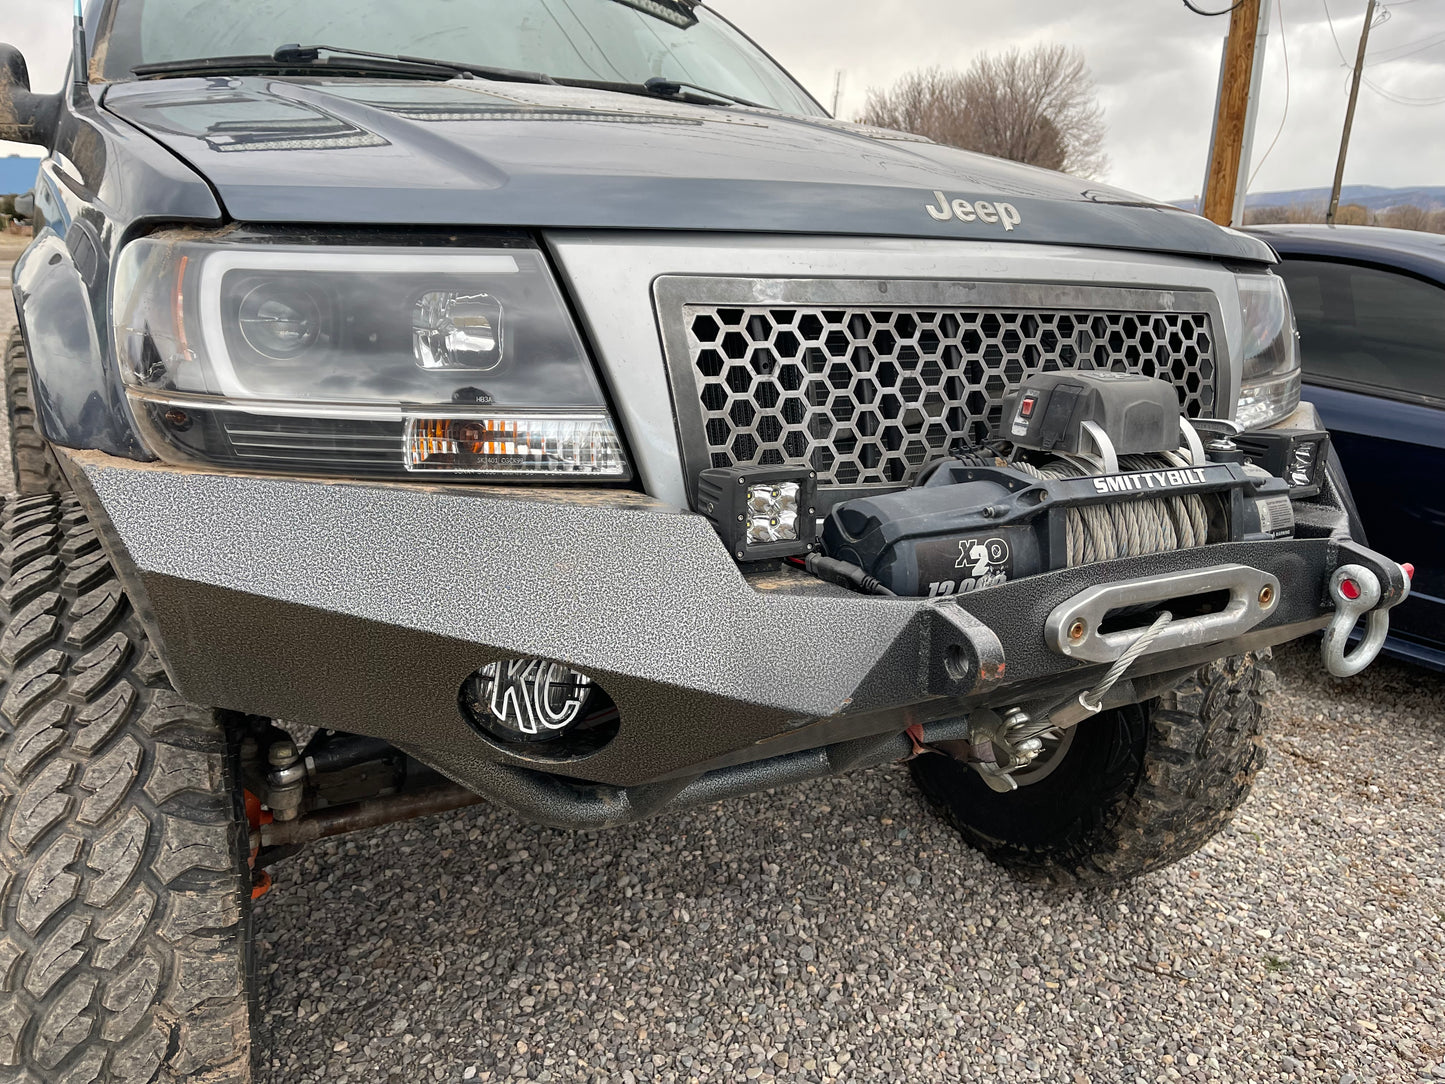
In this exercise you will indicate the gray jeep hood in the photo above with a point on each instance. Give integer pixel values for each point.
(473, 153)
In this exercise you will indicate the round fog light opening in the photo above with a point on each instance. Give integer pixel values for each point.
(539, 704)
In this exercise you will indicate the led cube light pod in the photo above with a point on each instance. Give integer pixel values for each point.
(761, 513)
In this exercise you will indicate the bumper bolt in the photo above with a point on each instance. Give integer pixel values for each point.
(1266, 595)
(1077, 630)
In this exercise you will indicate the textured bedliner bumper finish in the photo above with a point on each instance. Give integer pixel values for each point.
(363, 607)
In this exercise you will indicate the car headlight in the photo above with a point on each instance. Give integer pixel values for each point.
(1270, 381)
(376, 361)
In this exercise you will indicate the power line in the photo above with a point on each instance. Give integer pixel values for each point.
(1400, 52)
(1401, 99)
(1210, 14)
(1284, 45)
(1388, 95)
(1333, 36)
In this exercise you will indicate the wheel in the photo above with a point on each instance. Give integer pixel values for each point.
(36, 470)
(125, 897)
(1128, 792)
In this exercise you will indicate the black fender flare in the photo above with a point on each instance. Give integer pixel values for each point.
(78, 398)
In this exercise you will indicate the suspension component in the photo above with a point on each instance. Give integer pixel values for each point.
(286, 781)
(368, 814)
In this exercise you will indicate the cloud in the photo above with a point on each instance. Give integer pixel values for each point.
(1156, 65)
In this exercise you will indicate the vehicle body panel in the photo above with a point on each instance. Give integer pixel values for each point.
(470, 152)
(243, 577)
(104, 182)
(1391, 443)
(1394, 457)
(610, 275)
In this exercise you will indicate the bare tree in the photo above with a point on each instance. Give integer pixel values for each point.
(1038, 107)
(1405, 216)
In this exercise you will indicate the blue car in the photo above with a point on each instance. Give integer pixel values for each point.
(1371, 309)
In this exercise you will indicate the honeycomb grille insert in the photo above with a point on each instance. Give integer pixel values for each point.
(866, 396)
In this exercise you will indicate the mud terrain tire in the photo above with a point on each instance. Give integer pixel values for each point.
(1137, 790)
(36, 470)
(125, 898)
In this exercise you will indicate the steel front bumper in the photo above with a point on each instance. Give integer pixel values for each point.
(363, 607)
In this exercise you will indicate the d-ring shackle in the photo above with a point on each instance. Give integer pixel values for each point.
(1355, 591)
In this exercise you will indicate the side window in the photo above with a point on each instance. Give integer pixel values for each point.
(1367, 327)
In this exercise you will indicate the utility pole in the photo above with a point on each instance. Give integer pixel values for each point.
(1231, 123)
(837, 90)
(1251, 114)
(1350, 114)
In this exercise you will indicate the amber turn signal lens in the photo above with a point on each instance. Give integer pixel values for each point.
(516, 444)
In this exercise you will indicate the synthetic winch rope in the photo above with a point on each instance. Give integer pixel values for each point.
(1126, 528)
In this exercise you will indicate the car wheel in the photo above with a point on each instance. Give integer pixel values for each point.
(36, 470)
(1130, 791)
(125, 893)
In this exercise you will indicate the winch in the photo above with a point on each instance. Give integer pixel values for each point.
(1081, 467)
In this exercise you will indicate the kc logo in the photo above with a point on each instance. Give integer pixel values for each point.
(529, 694)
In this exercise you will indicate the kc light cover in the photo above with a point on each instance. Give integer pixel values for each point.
(250, 351)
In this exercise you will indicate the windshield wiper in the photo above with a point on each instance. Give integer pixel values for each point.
(660, 87)
(677, 12)
(290, 57)
(675, 88)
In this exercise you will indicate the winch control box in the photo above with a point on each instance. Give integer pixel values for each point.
(1048, 413)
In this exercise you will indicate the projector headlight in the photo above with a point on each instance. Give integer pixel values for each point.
(1270, 379)
(358, 361)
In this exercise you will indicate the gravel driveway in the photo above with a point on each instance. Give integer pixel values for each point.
(837, 931)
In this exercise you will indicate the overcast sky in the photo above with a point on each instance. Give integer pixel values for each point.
(1156, 65)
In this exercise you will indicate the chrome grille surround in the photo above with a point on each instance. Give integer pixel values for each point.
(864, 381)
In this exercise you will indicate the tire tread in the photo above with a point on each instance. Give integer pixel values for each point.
(36, 469)
(1172, 782)
(124, 899)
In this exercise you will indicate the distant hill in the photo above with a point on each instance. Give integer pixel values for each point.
(1371, 196)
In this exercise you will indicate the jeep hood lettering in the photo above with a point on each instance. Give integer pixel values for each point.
(473, 153)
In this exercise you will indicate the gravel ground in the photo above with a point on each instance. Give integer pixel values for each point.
(837, 931)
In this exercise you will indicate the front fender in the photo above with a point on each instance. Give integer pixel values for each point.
(78, 401)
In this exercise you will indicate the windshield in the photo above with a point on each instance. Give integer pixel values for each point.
(567, 39)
